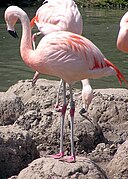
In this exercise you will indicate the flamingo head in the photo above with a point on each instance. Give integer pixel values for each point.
(11, 20)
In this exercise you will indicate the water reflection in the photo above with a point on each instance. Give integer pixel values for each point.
(100, 25)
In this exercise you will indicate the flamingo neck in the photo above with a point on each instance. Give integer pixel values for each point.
(85, 82)
(26, 44)
(124, 21)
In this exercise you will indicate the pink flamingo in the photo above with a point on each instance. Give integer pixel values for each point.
(60, 15)
(66, 55)
(122, 39)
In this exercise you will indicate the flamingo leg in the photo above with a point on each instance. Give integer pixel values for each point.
(57, 107)
(71, 158)
(63, 111)
(34, 39)
(36, 75)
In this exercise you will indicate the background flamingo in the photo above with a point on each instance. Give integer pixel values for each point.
(58, 15)
(122, 39)
(66, 55)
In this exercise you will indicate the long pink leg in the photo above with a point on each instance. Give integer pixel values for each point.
(34, 39)
(71, 158)
(63, 111)
(35, 77)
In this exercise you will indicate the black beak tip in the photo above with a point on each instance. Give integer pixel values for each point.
(82, 111)
(45, 2)
(13, 33)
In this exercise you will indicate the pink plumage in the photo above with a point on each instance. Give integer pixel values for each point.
(58, 15)
(122, 39)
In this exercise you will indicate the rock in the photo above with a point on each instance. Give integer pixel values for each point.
(11, 107)
(43, 122)
(109, 105)
(118, 166)
(46, 127)
(17, 150)
(42, 92)
(50, 168)
(109, 108)
(97, 134)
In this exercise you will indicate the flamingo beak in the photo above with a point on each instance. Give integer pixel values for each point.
(82, 111)
(13, 33)
(45, 2)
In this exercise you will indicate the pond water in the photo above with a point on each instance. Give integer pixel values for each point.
(101, 26)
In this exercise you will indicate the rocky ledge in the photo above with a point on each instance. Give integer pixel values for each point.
(29, 133)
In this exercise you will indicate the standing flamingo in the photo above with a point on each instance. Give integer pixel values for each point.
(66, 55)
(122, 39)
(60, 15)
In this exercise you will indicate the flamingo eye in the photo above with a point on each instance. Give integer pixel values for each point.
(45, 2)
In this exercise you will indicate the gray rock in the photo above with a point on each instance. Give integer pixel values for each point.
(47, 168)
(11, 107)
(97, 134)
(109, 105)
(109, 108)
(118, 166)
(17, 149)
(43, 122)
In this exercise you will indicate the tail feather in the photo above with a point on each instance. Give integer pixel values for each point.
(120, 76)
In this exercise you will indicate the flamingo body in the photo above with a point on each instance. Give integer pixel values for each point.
(68, 56)
(58, 15)
(122, 39)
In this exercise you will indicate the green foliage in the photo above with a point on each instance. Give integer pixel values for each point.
(103, 3)
(113, 2)
(99, 3)
(20, 3)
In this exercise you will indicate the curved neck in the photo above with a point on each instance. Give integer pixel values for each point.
(26, 43)
(124, 21)
(85, 82)
(26, 34)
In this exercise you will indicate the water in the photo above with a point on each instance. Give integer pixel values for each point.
(100, 26)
